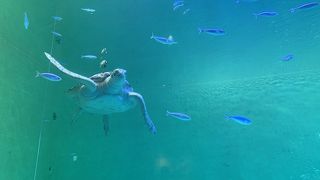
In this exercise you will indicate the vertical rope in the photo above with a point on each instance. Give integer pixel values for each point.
(43, 111)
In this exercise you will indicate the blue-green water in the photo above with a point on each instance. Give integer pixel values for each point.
(207, 77)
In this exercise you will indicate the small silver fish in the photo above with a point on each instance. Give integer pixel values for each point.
(57, 18)
(56, 34)
(91, 11)
(177, 115)
(103, 64)
(104, 51)
(48, 76)
(89, 57)
(26, 21)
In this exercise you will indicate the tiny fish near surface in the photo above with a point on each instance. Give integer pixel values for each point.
(181, 116)
(48, 76)
(26, 21)
(304, 6)
(214, 31)
(240, 119)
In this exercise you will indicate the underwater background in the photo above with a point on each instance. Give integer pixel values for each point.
(204, 76)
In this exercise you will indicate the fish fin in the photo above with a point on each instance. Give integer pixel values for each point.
(37, 74)
(105, 121)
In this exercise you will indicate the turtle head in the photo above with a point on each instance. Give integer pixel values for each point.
(118, 76)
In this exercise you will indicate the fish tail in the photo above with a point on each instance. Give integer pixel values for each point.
(227, 117)
(255, 15)
(152, 36)
(167, 113)
(37, 74)
(200, 30)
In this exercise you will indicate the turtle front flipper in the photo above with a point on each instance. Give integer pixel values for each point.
(146, 116)
(90, 84)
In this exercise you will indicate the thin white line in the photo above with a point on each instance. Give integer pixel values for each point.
(38, 152)
(43, 111)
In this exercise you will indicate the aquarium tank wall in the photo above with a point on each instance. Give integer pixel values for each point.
(170, 90)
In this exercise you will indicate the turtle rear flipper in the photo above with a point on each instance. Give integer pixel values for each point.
(139, 99)
(90, 84)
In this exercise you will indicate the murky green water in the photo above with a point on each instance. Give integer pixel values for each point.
(204, 76)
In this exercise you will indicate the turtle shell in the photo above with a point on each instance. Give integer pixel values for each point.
(100, 77)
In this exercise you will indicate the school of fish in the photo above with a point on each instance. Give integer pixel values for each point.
(169, 40)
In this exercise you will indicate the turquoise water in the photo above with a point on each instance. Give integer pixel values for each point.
(207, 77)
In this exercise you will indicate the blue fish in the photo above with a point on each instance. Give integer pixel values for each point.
(177, 4)
(181, 116)
(163, 40)
(56, 34)
(214, 31)
(287, 57)
(304, 6)
(49, 76)
(240, 119)
(266, 14)
(89, 57)
(26, 21)
(57, 18)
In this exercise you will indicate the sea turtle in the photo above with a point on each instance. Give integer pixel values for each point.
(105, 93)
